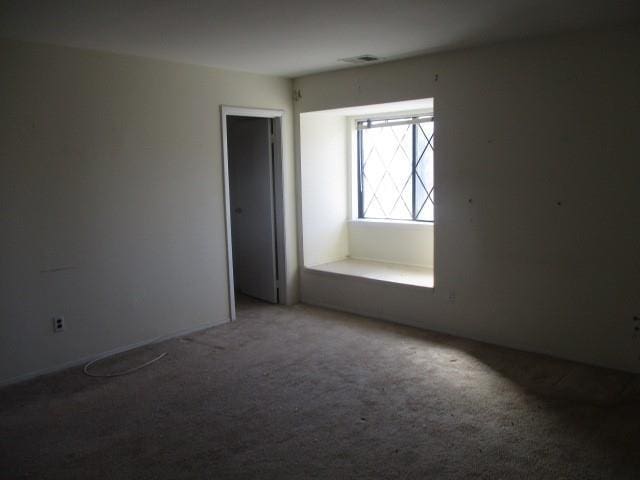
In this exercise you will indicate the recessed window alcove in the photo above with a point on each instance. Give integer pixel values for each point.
(368, 193)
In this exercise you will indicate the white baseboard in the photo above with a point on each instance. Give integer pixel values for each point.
(115, 351)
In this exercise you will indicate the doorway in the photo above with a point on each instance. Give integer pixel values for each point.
(252, 160)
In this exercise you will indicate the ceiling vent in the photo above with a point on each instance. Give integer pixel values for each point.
(361, 59)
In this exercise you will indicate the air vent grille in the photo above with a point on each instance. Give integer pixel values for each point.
(360, 59)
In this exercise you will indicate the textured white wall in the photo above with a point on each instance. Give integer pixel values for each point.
(111, 199)
(537, 232)
(405, 243)
(324, 185)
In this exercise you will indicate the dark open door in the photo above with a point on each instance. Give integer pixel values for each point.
(249, 142)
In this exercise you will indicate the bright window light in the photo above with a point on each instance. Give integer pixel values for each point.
(395, 168)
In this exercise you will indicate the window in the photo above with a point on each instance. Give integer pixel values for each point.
(395, 168)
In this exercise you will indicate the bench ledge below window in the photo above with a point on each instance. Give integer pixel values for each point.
(379, 271)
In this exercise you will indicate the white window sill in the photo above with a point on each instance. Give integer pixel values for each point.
(390, 223)
(380, 271)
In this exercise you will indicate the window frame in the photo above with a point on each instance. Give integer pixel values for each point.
(412, 119)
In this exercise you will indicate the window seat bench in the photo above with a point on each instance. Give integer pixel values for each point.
(381, 271)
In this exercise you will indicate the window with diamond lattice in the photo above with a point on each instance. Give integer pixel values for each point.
(395, 169)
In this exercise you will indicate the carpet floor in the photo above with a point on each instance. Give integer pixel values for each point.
(302, 392)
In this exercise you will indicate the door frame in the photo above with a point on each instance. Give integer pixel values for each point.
(278, 184)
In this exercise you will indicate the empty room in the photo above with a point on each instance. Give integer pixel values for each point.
(332, 240)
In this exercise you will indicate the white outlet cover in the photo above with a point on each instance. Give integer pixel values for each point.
(58, 324)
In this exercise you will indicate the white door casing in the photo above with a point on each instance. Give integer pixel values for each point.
(277, 196)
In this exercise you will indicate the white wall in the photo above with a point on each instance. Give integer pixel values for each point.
(324, 186)
(537, 238)
(111, 200)
(408, 243)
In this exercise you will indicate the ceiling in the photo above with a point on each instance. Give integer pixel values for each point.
(294, 37)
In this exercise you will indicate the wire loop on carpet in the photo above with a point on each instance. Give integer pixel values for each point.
(117, 374)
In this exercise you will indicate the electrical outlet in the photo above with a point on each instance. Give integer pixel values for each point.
(452, 296)
(58, 324)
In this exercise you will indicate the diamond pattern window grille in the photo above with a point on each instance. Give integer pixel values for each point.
(395, 169)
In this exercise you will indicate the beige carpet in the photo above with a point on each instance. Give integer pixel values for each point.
(308, 393)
